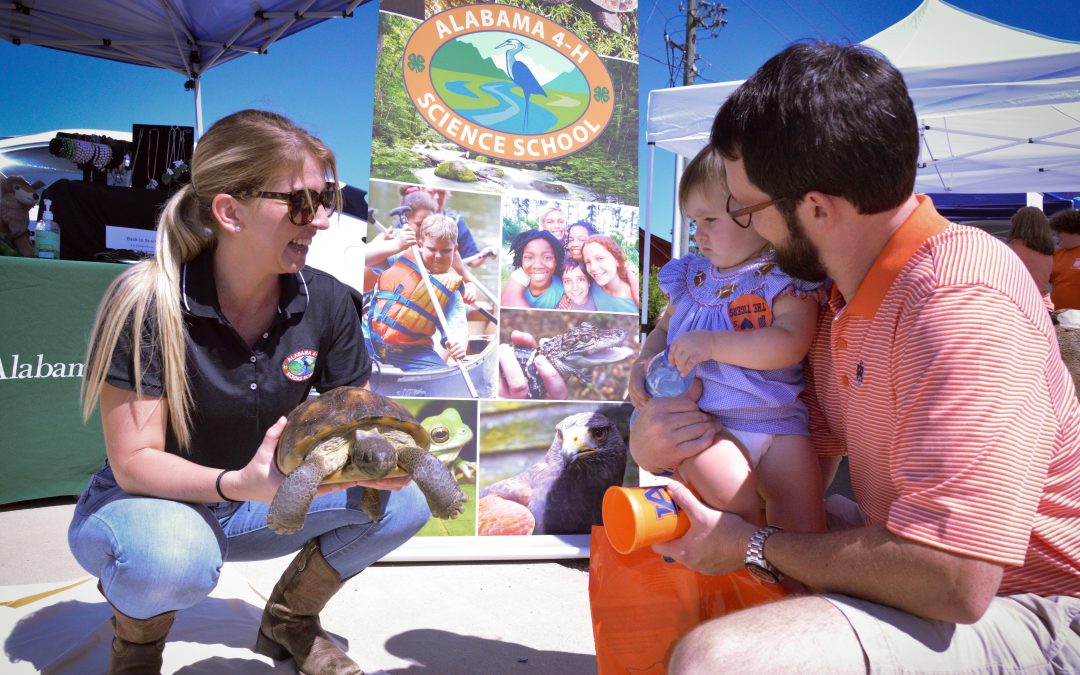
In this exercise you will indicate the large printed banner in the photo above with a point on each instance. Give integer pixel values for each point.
(501, 276)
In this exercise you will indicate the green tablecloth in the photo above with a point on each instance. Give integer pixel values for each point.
(48, 309)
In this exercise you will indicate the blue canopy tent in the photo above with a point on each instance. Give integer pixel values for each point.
(187, 37)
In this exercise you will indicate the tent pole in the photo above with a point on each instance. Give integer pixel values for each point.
(198, 107)
(679, 245)
(645, 271)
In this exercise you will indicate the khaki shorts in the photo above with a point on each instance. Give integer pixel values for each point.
(1018, 634)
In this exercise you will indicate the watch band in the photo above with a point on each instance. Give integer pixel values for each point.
(755, 561)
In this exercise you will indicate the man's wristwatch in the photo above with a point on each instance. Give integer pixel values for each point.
(755, 561)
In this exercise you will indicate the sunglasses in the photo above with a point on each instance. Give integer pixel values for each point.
(743, 216)
(302, 203)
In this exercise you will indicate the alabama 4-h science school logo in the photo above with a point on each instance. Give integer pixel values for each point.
(299, 366)
(507, 83)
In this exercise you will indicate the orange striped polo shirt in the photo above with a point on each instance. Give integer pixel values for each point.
(942, 382)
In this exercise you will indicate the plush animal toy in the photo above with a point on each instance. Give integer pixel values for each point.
(17, 197)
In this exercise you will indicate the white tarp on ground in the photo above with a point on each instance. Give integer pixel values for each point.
(999, 107)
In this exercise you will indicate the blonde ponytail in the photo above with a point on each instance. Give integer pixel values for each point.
(147, 298)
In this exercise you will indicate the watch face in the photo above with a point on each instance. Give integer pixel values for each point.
(762, 574)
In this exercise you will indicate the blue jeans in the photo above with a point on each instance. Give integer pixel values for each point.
(158, 555)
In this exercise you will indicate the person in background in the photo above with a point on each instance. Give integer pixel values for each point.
(538, 256)
(402, 320)
(931, 368)
(1030, 239)
(576, 235)
(577, 287)
(471, 254)
(1065, 275)
(553, 220)
(397, 238)
(614, 288)
(195, 357)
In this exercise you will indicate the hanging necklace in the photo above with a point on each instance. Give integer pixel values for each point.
(153, 146)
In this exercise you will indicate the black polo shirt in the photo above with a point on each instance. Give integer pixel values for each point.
(239, 391)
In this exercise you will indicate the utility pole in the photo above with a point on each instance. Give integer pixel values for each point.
(700, 14)
(707, 14)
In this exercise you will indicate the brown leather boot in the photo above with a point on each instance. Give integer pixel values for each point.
(137, 643)
(290, 623)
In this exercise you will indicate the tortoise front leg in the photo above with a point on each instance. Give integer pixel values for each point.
(288, 510)
(444, 497)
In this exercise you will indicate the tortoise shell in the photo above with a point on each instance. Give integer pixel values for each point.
(342, 411)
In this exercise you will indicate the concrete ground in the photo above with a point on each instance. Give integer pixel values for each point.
(467, 618)
(528, 617)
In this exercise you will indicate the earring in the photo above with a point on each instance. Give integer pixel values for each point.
(208, 232)
(236, 228)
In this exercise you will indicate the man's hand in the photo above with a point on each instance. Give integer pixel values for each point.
(670, 429)
(692, 348)
(716, 541)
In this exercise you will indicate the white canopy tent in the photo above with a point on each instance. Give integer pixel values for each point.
(185, 36)
(998, 107)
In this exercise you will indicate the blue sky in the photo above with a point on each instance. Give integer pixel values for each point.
(323, 77)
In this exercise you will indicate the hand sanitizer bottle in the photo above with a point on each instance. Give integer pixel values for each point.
(47, 235)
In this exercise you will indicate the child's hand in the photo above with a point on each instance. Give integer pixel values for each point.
(468, 292)
(406, 236)
(638, 396)
(456, 349)
(690, 349)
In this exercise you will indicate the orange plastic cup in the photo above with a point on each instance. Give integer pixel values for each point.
(636, 517)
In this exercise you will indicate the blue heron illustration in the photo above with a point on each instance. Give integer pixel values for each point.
(520, 73)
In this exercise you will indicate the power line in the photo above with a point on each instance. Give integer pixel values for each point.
(851, 34)
(655, 6)
(803, 17)
(770, 23)
(651, 57)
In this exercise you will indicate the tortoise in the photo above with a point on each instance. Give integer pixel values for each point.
(350, 434)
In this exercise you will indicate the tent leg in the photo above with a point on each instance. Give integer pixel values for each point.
(679, 228)
(645, 269)
(198, 107)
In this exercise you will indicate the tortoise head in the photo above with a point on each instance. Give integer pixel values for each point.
(372, 454)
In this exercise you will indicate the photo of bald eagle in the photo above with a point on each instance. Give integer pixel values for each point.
(563, 492)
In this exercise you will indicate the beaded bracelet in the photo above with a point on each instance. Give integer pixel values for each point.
(217, 486)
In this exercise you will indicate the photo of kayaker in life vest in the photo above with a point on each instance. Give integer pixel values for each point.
(403, 322)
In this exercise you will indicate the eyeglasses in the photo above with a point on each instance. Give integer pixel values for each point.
(748, 211)
(303, 203)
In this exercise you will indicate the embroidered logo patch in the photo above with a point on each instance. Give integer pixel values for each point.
(299, 366)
